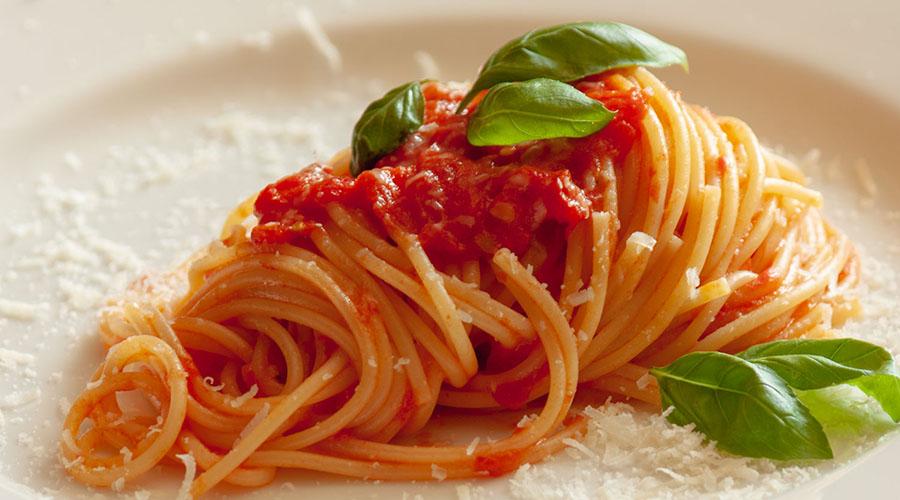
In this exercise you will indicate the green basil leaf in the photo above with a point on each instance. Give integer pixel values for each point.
(882, 388)
(537, 109)
(807, 364)
(571, 51)
(746, 408)
(851, 353)
(846, 413)
(385, 124)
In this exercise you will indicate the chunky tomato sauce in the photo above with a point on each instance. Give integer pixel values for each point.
(462, 201)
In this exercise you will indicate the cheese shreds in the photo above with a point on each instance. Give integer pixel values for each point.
(142, 495)
(644, 381)
(118, 484)
(643, 240)
(865, 178)
(463, 492)
(10, 359)
(438, 472)
(20, 398)
(209, 381)
(316, 35)
(428, 67)
(474, 444)
(582, 296)
(243, 398)
(526, 419)
(190, 469)
(625, 451)
(23, 311)
(253, 423)
(692, 275)
(401, 362)
(575, 444)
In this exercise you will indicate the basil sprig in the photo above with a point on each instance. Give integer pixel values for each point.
(808, 364)
(385, 124)
(571, 51)
(537, 109)
(750, 403)
(556, 54)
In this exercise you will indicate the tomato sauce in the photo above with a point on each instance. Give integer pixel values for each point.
(464, 202)
(498, 464)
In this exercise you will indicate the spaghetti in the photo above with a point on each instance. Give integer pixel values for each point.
(353, 309)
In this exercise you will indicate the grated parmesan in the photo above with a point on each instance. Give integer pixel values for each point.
(316, 35)
(253, 423)
(190, 469)
(243, 398)
(398, 366)
(23, 311)
(438, 472)
(428, 67)
(580, 297)
(474, 444)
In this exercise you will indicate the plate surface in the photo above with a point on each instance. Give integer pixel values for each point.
(128, 131)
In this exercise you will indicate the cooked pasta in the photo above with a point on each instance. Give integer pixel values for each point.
(337, 313)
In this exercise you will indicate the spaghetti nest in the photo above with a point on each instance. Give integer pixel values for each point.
(317, 355)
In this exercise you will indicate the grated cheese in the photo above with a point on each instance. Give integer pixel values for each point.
(316, 35)
(428, 67)
(474, 444)
(526, 419)
(190, 469)
(253, 423)
(438, 472)
(398, 366)
(627, 452)
(118, 485)
(23, 311)
(20, 398)
(643, 240)
(692, 275)
(10, 360)
(580, 297)
(243, 398)
(865, 178)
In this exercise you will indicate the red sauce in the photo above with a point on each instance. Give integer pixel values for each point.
(514, 394)
(498, 464)
(462, 201)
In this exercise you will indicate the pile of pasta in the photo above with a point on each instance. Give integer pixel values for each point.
(317, 357)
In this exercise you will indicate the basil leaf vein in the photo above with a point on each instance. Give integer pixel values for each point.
(746, 408)
(385, 124)
(536, 109)
(571, 51)
(808, 364)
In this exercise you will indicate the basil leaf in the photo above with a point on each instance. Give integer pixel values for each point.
(537, 109)
(385, 124)
(850, 353)
(882, 388)
(846, 413)
(746, 408)
(808, 364)
(571, 51)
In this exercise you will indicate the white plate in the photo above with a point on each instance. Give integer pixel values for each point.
(148, 77)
